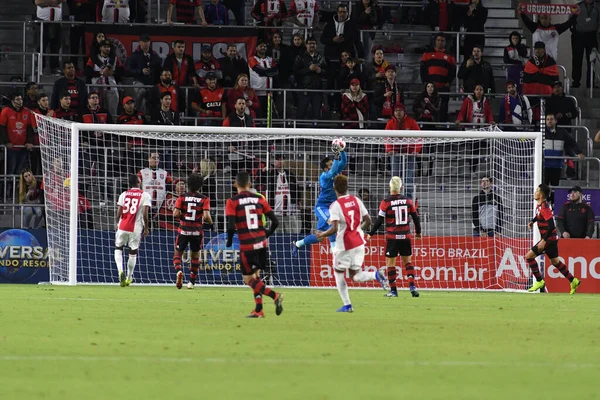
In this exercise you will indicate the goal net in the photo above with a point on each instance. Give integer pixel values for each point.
(473, 191)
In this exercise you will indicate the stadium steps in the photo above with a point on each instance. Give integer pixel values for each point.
(11, 36)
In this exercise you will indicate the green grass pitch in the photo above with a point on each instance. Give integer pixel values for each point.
(91, 343)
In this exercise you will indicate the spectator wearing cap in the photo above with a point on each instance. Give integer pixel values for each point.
(262, 71)
(31, 95)
(74, 86)
(210, 102)
(50, 11)
(561, 106)
(106, 71)
(476, 70)
(113, 11)
(144, 66)
(576, 218)
(539, 74)
(557, 143)
(355, 106)
(186, 11)
(545, 31)
(439, 67)
(135, 146)
(310, 69)
(16, 133)
(401, 121)
(207, 63)
(177, 103)
(388, 94)
(514, 109)
(232, 65)
(181, 65)
(375, 69)
(216, 13)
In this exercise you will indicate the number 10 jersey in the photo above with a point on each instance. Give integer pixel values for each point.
(396, 209)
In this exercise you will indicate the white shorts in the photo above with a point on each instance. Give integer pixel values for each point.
(350, 259)
(130, 239)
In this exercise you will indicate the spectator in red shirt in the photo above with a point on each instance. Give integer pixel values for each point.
(207, 63)
(16, 133)
(64, 111)
(210, 102)
(166, 85)
(401, 121)
(181, 65)
(241, 89)
(42, 108)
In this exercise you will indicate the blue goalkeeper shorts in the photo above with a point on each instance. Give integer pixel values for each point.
(322, 221)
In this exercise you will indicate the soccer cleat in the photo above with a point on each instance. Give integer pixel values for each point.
(383, 281)
(574, 284)
(279, 304)
(391, 293)
(122, 279)
(128, 282)
(414, 292)
(255, 314)
(539, 285)
(179, 282)
(294, 249)
(190, 285)
(347, 308)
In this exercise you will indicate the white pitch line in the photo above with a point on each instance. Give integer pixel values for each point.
(291, 361)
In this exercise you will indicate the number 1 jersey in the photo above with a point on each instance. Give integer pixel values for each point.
(133, 201)
(248, 209)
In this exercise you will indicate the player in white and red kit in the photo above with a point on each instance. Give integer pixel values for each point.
(348, 217)
(395, 210)
(132, 220)
(155, 181)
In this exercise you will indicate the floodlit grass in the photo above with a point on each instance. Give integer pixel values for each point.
(160, 343)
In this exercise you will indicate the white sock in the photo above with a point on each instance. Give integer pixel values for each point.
(119, 260)
(363, 276)
(131, 265)
(342, 287)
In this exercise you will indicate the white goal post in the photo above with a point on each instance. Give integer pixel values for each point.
(86, 167)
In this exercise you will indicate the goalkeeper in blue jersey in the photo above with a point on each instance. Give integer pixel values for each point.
(331, 168)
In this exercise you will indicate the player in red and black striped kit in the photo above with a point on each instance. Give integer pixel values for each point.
(193, 210)
(244, 213)
(395, 210)
(549, 242)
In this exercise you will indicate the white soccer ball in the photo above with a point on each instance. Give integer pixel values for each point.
(338, 144)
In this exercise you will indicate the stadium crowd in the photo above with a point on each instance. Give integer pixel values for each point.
(233, 91)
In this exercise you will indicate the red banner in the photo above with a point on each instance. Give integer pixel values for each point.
(582, 257)
(553, 9)
(125, 39)
(456, 262)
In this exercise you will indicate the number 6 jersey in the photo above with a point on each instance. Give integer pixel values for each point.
(247, 209)
(396, 209)
(133, 202)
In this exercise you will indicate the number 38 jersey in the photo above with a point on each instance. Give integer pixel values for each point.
(192, 206)
(396, 210)
(248, 209)
(133, 201)
(348, 211)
